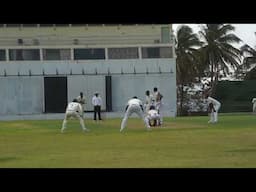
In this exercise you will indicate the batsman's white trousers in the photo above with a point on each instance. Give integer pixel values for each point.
(214, 115)
(150, 118)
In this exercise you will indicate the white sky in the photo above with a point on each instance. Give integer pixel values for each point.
(246, 32)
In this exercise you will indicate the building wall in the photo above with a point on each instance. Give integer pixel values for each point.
(87, 67)
(22, 82)
(88, 85)
(21, 95)
(86, 35)
(24, 94)
(127, 86)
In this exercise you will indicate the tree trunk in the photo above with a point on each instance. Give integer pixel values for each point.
(215, 82)
(181, 98)
(212, 71)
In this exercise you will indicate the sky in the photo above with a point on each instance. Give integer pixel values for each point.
(246, 32)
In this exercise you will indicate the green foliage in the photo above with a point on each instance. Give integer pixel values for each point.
(236, 96)
(251, 75)
(187, 64)
(219, 52)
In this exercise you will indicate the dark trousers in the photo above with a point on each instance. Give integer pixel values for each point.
(97, 110)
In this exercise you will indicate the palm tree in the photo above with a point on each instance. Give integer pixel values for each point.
(249, 54)
(219, 52)
(185, 48)
(249, 58)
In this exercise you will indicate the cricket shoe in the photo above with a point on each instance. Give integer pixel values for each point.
(86, 130)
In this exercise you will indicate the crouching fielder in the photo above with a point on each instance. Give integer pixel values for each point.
(213, 106)
(74, 109)
(134, 105)
(153, 115)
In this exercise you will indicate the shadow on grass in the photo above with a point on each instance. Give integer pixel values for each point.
(243, 150)
(4, 159)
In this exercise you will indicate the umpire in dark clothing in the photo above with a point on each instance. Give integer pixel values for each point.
(97, 102)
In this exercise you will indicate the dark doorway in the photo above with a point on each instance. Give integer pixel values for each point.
(55, 94)
(108, 93)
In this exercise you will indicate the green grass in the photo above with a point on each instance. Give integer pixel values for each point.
(187, 142)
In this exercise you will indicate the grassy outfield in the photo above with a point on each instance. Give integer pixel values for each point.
(187, 142)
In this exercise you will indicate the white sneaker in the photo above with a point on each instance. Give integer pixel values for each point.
(86, 130)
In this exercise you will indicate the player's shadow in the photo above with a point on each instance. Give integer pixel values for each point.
(243, 150)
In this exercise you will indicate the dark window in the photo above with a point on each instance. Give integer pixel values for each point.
(46, 25)
(157, 52)
(78, 25)
(61, 25)
(13, 25)
(2, 55)
(123, 53)
(56, 54)
(24, 54)
(150, 52)
(89, 54)
(29, 25)
(166, 52)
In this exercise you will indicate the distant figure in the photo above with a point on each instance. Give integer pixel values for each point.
(158, 103)
(213, 108)
(82, 101)
(254, 105)
(134, 105)
(153, 117)
(74, 109)
(97, 102)
(149, 100)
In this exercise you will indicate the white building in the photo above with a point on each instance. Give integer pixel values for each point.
(42, 67)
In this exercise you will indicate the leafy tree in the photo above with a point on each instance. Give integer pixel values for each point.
(186, 43)
(219, 53)
(245, 71)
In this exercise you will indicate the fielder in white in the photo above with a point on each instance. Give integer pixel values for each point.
(158, 103)
(81, 99)
(213, 106)
(254, 105)
(134, 105)
(152, 115)
(74, 109)
(149, 100)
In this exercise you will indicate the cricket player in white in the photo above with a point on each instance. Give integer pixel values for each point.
(74, 109)
(149, 100)
(158, 103)
(81, 100)
(214, 108)
(153, 115)
(134, 105)
(254, 105)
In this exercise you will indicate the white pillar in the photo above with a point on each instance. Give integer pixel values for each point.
(72, 54)
(106, 53)
(7, 54)
(140, 52)
(41, 54)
